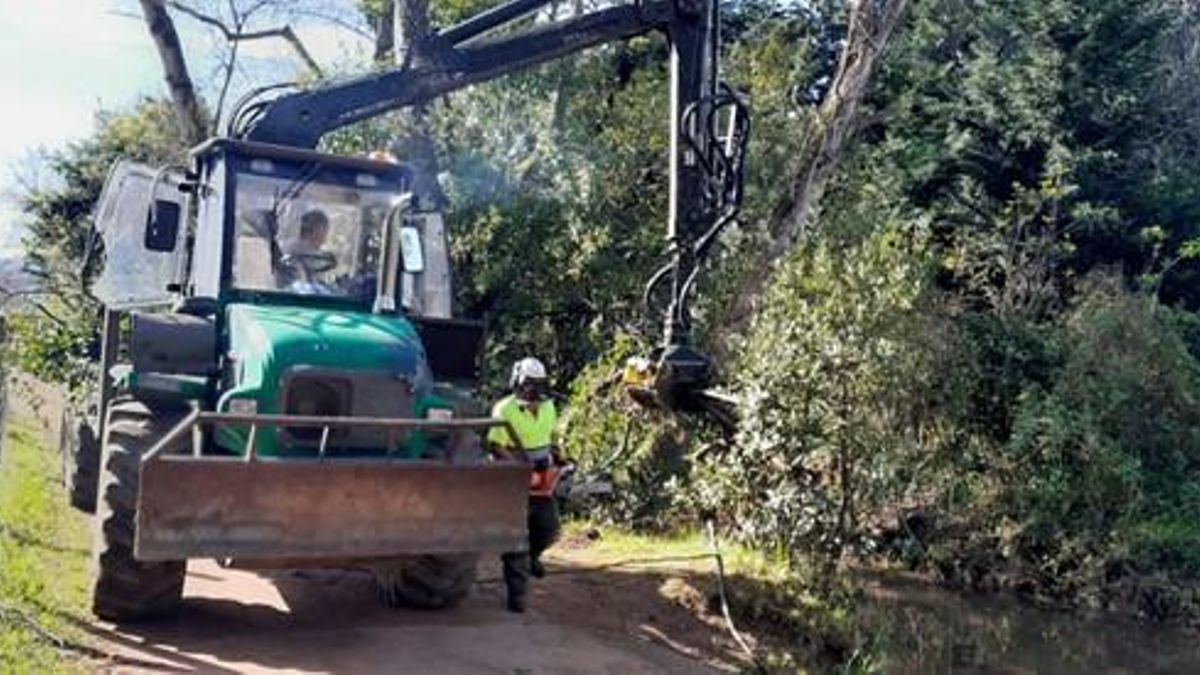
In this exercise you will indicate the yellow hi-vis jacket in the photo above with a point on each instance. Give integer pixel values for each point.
(535, 431)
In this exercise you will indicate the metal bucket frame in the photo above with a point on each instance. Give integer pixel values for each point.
(267, 508)
(196, 420)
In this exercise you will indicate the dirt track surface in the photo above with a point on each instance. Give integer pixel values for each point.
(581, 620)
(330, 621)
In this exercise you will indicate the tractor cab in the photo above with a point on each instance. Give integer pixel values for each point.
(290, 226)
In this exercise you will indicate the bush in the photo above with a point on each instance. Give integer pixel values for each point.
(1059, 456)
(1107, 458)
(1082, 483)
(825, 382)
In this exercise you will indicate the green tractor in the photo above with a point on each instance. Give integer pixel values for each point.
(282, 387)
(282, 382)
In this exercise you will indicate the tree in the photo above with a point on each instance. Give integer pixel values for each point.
(235, 30)
(188, 112)
(1034, 134)
(411, 28)
(59, 342)
(826, 134)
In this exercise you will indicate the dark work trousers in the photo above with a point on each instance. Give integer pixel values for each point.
(543, 530)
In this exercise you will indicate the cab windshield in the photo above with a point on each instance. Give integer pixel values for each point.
(305, 234)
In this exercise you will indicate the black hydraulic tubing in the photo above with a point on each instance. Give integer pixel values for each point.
(301, 119)
(660, 275)
(702, 249)
(485, 21)
(246, 109)
(722, 164)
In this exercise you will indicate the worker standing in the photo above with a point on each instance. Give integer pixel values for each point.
(531, 416)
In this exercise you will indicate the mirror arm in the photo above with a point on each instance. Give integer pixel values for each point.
(385, 286)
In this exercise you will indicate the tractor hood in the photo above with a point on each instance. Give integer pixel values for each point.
(267, 341)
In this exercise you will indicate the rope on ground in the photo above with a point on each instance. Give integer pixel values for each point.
(737, 636)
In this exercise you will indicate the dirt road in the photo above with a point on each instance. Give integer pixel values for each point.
(581, 620)
(330, 621)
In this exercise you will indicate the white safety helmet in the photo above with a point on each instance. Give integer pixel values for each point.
(527, 368)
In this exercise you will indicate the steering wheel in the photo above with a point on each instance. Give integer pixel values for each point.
(311, 288)
(310, 263)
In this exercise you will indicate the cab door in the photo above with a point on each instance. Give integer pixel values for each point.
(141, 219)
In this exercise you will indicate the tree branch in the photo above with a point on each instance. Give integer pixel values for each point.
(202, 18)
(337, 21)
(385, 31)
(15, 295)
(229, 66)
(237, 34)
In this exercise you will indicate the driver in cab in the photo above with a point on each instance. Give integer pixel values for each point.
(306, 257)
(314, 230)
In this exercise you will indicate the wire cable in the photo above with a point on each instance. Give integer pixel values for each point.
(759, 666)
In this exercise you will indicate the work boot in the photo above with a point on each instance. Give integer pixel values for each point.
(537, 569)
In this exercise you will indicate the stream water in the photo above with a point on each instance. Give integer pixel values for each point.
(921, 628)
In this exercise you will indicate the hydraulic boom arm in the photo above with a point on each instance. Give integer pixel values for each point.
(459, 57)
(709, 131)
(456, 58)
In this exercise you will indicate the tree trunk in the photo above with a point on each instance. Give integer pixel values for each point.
(434, 288)
(183, 94)
(832, 126)
(385, 32)
(418, 150)
(411, 26)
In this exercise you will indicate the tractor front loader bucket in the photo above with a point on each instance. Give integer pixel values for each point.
(266, 508)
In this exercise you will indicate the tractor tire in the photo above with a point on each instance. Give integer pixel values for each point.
(435, 581)
(123, 588)
(80, 451)
(426, 581)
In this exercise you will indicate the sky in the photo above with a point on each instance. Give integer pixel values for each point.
(63, 60)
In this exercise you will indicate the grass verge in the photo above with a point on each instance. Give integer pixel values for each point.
(43, 557)
(797, 622)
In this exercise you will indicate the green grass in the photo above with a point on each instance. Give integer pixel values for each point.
(617, 544)
(43, 555)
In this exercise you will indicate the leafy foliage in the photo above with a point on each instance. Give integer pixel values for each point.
(823, 382)
(967, 366)
(59, 342)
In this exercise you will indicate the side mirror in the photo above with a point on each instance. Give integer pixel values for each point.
(162, 226)
(411, 254)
